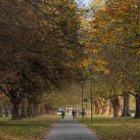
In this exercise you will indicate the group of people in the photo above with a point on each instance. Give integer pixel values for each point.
(74, 113)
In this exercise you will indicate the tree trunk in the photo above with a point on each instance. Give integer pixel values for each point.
(98, 109)
(47, 111)
(110, 108)
(36, 109)
(16, 109)
(1, 111)
(24, 113)
(116, 106)
(105, 107)
(30, 109)
(126, 110)
(42, 109)
(137, 114)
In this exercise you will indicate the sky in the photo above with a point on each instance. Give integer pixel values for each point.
(85, 2)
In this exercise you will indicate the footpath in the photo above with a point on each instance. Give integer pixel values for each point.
(69, 129)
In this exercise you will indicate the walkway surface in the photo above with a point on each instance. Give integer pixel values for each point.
(69, 129)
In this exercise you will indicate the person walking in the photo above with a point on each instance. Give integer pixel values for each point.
(63, 114)
(83, 113)
(74, 114)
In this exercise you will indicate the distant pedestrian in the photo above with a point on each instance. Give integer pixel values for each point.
(83, 113)
(63, 114)
(74, 114)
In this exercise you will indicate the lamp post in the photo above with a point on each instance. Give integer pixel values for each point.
(82, 96)
(85, 101)
(91, 93)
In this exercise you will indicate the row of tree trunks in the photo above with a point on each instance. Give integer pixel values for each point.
(103, 108)
(108, 107)
(50, 110)
(4, 110)
(113, 106)
(26, 108)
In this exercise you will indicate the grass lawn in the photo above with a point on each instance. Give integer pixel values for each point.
(26, 129)
(108, 128)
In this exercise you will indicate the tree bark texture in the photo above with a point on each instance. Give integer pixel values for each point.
(116, 106)
(16, 113)
(30, 109)
(1, 112)
(105, 107)
(98, 108)
(137, 113)
(24, 113)
(126, 110)
(110, 108)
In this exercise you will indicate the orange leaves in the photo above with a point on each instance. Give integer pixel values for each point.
(98, 68)
(88, 44)
(121, 74)
(85, 63)
(95, 65)
(106, 71)
(109, 39)
(95, 50)
(101, 62)
(126, 5)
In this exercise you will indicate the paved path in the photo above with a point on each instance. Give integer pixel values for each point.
(68, 129)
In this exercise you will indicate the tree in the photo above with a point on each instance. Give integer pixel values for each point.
(114, 32)
(38, 49)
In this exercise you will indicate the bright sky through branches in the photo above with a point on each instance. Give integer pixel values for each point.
(85, 2)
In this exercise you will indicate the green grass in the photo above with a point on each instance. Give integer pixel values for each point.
(27, 129)
(108, 128)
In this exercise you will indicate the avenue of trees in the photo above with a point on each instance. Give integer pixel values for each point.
(45, 46)
(113, 54)
(39, 51)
